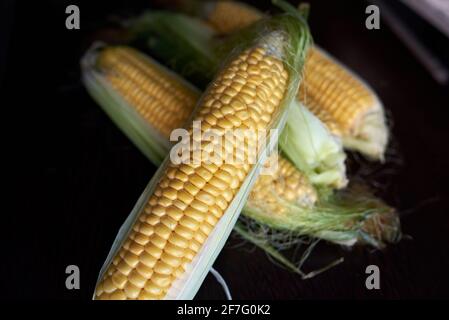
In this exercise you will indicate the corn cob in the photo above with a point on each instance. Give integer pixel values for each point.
(332, 91)
(159, 97)
(347, 105)
(189, 199)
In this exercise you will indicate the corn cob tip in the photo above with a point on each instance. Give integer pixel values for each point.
(370, 133)
(345, 103)
(274, 44)
(381, 228)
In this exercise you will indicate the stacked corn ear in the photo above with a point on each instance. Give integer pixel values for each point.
(179, 225)
(281, 200)
(162, 99)
(138, 123)
(339, 98)
(331, 91)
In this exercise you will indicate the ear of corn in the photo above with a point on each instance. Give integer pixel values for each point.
(340, 99)
(161, 98)
(179, 225)
(330, 90)
(133, 121)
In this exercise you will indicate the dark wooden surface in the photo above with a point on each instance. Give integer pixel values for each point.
(73, 176)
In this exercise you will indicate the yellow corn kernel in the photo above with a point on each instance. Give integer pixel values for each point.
(286, 183)
(160, 271)
(331, 92)
(349, 108)
(160, 98)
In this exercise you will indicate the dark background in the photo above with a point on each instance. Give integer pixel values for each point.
(71, 177)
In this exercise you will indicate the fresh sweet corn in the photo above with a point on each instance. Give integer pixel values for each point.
(347, 105)
(158, 96)
(189, 199)
(331, 91)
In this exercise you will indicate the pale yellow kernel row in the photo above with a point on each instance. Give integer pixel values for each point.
(160, 98)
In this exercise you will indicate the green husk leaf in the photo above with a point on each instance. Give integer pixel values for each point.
(187, 44)
(311, 147)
